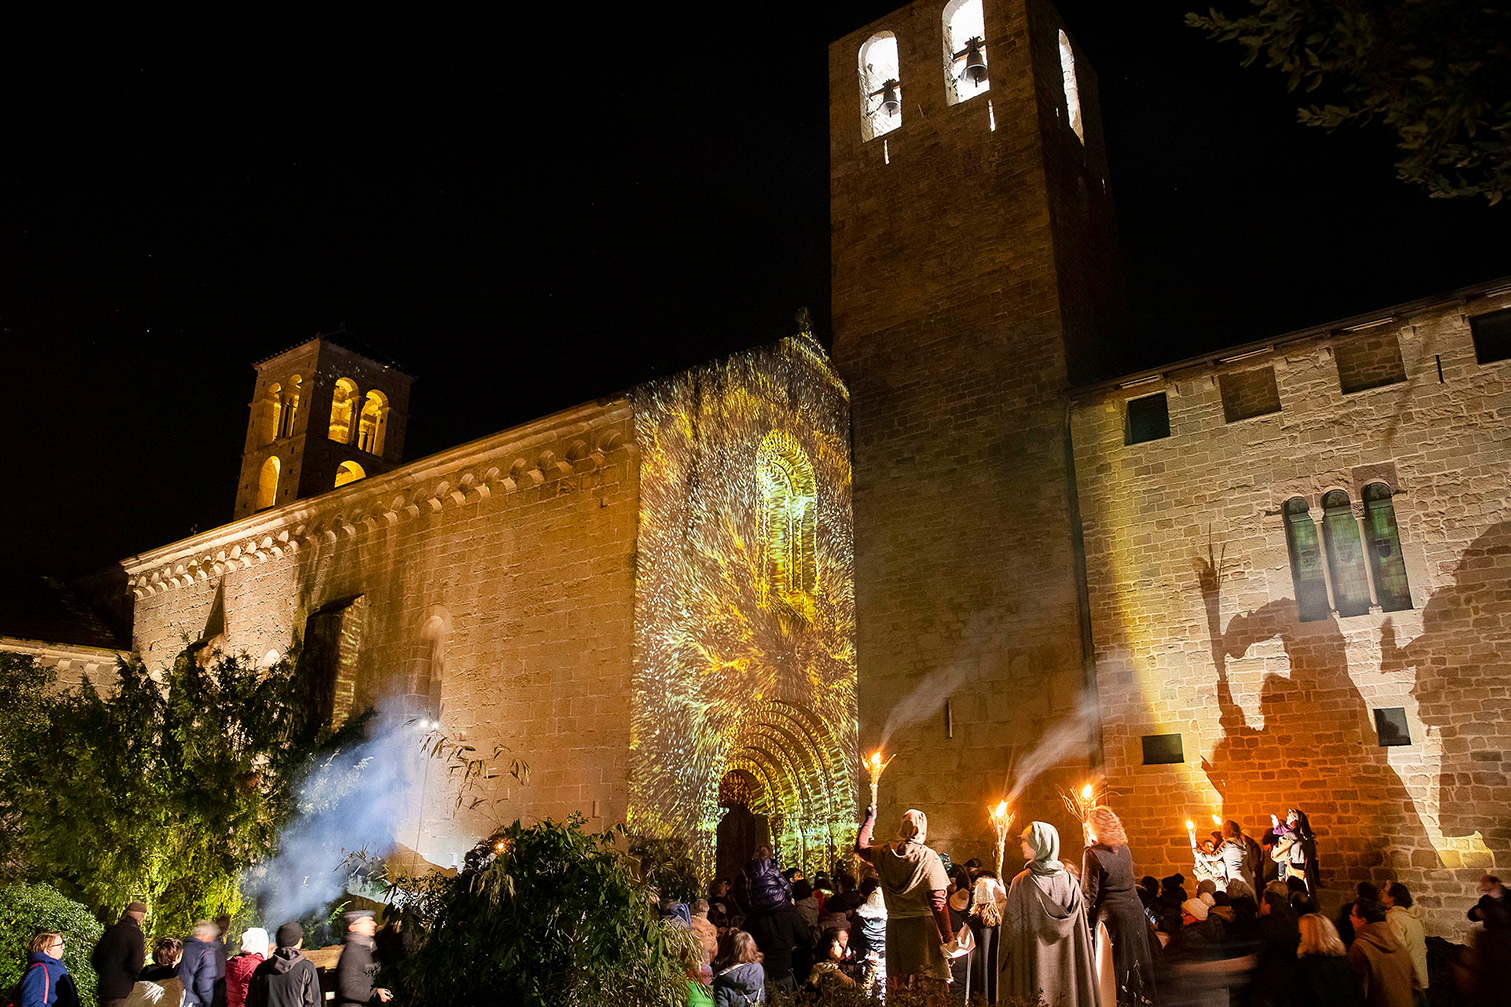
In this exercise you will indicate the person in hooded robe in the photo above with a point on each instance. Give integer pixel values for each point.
(1046, 942)
(913, 884)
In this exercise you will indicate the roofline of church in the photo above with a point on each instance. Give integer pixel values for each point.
(1273, 344)
(278, 528)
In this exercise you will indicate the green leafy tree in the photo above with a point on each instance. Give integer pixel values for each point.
(166, 789)
(1436, 72)
(26, 910)
(667, 866)
(27, 687)
(544, 914)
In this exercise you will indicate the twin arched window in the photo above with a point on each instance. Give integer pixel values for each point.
(343, 405)
(1346, 555)
(789, 500)
(277, 411)
(965, 73)
(373, 424)
(371, 421)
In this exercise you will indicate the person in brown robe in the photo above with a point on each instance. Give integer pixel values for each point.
(1046, 943)
(913, 885)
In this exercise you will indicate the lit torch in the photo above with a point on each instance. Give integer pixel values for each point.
(1001, 820)
(874, 768)
(1080, 805)
(1191, 831)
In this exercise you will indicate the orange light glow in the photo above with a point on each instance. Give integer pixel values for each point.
(1217, 821)
(876, 760)
(1190, 825)
(1001, 810)
(1086, 792)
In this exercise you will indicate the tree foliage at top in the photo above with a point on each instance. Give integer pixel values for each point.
(1436, 72)
(164, 789)
(544, 914)
(27, 687)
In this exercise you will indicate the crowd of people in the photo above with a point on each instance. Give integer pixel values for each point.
(202, 970)
(1092, 934)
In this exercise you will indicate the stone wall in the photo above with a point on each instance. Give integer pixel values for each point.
(953, 252)
(1197, 631)
(501, 570)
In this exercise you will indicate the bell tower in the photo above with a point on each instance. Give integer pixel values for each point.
(325, 413)
(974, 262)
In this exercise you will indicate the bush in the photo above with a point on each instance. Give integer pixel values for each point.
(27, 909)
(545, 914)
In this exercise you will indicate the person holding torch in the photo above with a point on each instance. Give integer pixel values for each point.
(913, 884)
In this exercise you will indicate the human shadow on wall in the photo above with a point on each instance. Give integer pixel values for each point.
(1462, 660)
(1316, 749)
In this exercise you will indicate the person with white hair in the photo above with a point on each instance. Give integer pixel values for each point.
(196, 969)
(255, 948)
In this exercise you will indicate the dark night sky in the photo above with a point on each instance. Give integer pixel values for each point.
(537, 213)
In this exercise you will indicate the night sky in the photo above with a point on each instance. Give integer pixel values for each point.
(531, 213)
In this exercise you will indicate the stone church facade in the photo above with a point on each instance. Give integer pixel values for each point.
(1273, 577)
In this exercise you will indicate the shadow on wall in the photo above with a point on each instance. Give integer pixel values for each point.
(1316, 733)
(1461, 663)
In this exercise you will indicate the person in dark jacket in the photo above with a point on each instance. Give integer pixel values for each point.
(1344, 922)
(356, 969)
(1323, 978)
(165, 955)
(765, 886)
(196, 969)
(119, 955)
(288, 979)
(1279, 934)
(778, 933)
(1378, 958)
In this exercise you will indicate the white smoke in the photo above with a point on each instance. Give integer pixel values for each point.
(924, 701)
(353, 801)
(1068, 738)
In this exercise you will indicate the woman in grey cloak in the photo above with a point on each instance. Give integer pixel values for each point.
(1046, 944)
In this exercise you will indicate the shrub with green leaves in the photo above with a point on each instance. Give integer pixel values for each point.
(544, 914)
(26, 910)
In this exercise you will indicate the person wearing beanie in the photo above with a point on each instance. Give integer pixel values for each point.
(1197, 909)
(119, 956)
(239, 968)
(357, 969)
(288, 979)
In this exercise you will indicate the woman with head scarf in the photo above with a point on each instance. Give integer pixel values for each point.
(1297, 845)
(1107, 883)
(1046, 943)
(913, 885)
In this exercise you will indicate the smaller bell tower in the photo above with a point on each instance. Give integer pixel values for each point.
(325, 413)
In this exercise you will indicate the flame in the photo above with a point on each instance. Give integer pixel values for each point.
(1001, 811)
(876, 760)
(1217, 821)
(1190, 825)
(1086, 792)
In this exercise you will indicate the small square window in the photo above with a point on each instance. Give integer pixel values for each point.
(1148, 419)
(1246, 394)
(1492, 336)
(1369, 362)
(1390, 725)
(1163, 749)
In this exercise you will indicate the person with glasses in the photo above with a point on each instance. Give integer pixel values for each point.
(47, 982)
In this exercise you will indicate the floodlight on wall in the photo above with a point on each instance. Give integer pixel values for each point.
(975, 62)
(890, 104)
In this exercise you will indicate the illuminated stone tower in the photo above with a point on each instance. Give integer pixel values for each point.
(324, 414)
(974, 255)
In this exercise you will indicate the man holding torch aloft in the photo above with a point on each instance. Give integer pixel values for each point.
(913, 883)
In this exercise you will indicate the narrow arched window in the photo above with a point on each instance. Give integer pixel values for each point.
(373, 423)
(267, 483)
(430, 663)
(349, 472)
(269, 414)
(880, 86)
(1072, 92)
(964, 50)
(343, 405)
(788, 521)
(1383, 544)
(1345, 556)
(291, 406)
(1306, 561)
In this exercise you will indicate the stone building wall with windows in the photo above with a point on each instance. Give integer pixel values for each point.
(1251, 596)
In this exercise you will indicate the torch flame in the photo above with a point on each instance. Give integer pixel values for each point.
(876, 759)
(1217, 820)
(1190, 825)
(1001, 810)
(1086, 792)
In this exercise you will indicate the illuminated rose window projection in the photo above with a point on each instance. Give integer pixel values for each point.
(745, 609)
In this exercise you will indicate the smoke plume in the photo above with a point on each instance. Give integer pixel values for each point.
(1067, 738)
(924, 701)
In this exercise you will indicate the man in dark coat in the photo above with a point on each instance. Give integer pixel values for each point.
(288, 979)
(777, 933)
(766, 886)
(196, 969)
(356, 968)
(118, 957)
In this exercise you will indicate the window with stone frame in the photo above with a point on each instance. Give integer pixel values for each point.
(1366, 362)
(1383, 546)
(1148, 419)
(880, 86)
(964, 25)
(1345, 554)
(1306, 561)
(1492, 336)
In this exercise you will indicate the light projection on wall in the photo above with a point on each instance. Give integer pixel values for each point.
(745, 608)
